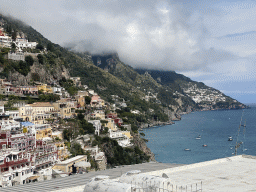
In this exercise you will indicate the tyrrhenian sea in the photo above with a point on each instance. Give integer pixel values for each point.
(168, 142)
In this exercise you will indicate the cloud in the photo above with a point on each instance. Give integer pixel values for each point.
(153, 34)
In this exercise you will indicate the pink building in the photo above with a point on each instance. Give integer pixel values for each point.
(96, 101)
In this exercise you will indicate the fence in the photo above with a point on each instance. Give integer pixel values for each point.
(165, 187)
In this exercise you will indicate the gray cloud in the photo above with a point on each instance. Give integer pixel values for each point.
(154, 34)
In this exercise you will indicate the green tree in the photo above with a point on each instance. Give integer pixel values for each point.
(39, 46)
(50, 47)
(29, 59)
(1, 59)
(23, 68)
(40, 58)
(13, 46)
(80, 116)
(76, 149)
(14, 35)
(87, 127)
(67, 134)
(87, 99)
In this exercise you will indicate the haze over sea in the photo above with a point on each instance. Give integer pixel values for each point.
(168, 142)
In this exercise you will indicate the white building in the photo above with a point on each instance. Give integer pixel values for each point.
(96, 125)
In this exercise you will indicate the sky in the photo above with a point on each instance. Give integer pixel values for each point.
(207, 40)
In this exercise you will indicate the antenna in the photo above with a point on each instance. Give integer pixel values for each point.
(238, 144)
(244, 133)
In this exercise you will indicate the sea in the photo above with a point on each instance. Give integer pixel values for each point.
(182, 142)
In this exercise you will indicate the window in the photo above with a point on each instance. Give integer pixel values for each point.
(17, 174)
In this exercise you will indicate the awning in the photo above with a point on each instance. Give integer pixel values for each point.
(33, 177)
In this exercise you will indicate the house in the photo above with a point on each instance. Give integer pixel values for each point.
(15, 168)
(37, 113)
(5, 41)
(96, 125)
(25, 90)
(57, 134)
(91, 92)
(23, 43)
(76, 81)
(43, 131)
(97, 102)
(118, 121)
(66, 166)
(45, 155)
(63, 152)
(111, 115)
(98, 114)
(80, 98)
(64, 109)
(45, 88)
(19, 138)
(110, 124)
(20, 142)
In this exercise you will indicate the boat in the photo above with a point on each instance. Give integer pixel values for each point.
(187, 149)
(198, 137)
(204, 145)
(230, 138)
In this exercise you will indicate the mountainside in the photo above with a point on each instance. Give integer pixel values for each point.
(141, 89)
(172, 90)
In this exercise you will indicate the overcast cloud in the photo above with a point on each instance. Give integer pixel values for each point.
(152, 34)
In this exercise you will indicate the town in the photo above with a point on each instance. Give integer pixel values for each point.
(32, 143)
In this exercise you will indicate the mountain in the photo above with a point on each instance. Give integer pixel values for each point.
(176, 91)
(152, 92)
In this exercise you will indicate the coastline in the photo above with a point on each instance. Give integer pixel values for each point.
(176, 117)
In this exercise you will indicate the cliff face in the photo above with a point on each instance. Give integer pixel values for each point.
(138, 141)
(39, 72)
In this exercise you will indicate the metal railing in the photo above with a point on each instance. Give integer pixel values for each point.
(165, 187)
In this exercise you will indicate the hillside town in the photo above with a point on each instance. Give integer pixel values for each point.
(206, 97)
(32, 144)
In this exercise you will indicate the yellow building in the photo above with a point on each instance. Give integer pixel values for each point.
(45, 88)
(36, 112)
(110, 124)
(63, 152)
(43, 131)
(25, 112)
(63, 108)
(127, 133)
(80, 101)
(66, 166)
